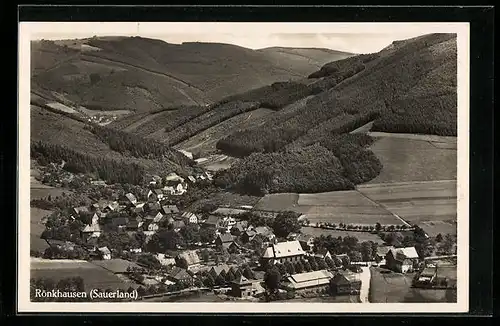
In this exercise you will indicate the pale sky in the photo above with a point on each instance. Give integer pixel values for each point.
(352, 37)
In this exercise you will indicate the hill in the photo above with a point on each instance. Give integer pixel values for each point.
(88, 148)
(142, 75)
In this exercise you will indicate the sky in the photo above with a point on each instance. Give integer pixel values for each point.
(354, 38)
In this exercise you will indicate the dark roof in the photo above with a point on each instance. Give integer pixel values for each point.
(226, 237)
(169, 209)
(212, 220)
(133, 224)
(178, 224)
(120, 221)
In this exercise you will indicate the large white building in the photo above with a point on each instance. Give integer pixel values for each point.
(283, 251)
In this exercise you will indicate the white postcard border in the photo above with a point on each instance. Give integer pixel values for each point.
(28, 29)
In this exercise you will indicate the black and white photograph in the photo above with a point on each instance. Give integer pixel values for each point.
(216, 167)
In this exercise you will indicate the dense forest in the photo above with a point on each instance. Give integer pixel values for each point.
(335, 163)
(127, 143)
(111, 170)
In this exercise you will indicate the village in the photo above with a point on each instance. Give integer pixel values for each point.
(162, 251)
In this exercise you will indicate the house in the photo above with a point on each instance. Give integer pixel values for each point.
(181, 188)
(345, 282)
(192, 179)
(224, 238)
(158, 217)
(104, 253)
(111, 207)
(213, 221)
(241, 226)
(155, 195)
(81, 210)
(170, 209)
(266, 232)
(402, 260)
(91, 231)
(180, 275)
(283, 251)
(95, 219)
(98, 183)
(191, 257)
(190, 218)
(152, 207)
(129, 199)
(227, 222)
(168, 190)
(138, 209)
(177, 224)
(306, 241)
(155, 180)
(323, 253)
(315, 280)
(243, 287)
(248, 236)
(217, 270)
(165, 260)
(381, 253)
(136, 250)
(226, 211)
(186, 153)
(151, 227)
(173, 179)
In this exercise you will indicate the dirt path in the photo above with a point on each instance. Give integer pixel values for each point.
(365, 276)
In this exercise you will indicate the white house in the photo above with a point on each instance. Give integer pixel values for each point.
(190, 217)
(165, 260)
(105, 253)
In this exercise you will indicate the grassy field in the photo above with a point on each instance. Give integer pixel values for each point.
(431, 205)
(361, 236)
(395, 287)
(415, 158)
(93, 276)
(349, 207)
(206, 140)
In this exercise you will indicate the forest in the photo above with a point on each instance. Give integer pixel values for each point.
(111, 170)
(127, 143)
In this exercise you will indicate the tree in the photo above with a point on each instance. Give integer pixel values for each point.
(286, 223)
(248, 273)
(439, 237)
(141, 291)
(299, 268)
(182, 263)
(367, 251)
(447, 244)
(330, 263)
(281, 268)
(205, 255)
(307, 266)
(207, 235)
(346, 261)
(378, 227)
(313, 264)
(289, 267)
(219, 280)
(355, 256)
(272, 279)
(322, 263)
(190, 233)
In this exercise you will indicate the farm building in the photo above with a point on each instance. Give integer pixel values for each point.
(91, 231)
(402, 260)
(81, 210)
(345, 282)
(381, 253)
(283, 251)
(323, 253)
(316, 280)
(243, 287)
(129, 198)
(155, 194)
(265, 232)
(216, 270)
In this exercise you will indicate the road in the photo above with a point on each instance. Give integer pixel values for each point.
(364, 276)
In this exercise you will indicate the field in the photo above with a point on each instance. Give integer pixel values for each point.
(431, 205)
(395, 287)
(225, 198)
(362, 236)
(93, 276)
(349, 207)
(206, 140)
(415, 157)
